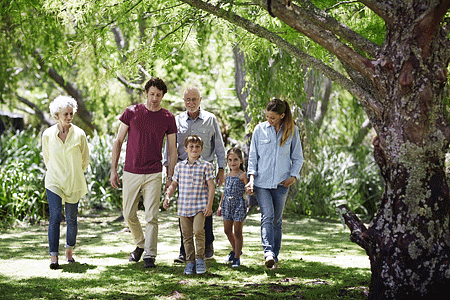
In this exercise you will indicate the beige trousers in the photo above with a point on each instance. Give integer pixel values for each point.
(149, 185)
(190, 227)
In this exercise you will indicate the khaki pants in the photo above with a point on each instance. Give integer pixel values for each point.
(190, 227)
(150, 187)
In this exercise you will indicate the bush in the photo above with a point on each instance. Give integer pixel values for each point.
(100, 191)
(22, 196)
(337, 177)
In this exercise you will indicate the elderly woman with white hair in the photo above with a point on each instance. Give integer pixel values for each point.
(66, 156)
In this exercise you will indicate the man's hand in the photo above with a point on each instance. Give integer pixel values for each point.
(114, 179)
(220, 178)
(166, 202)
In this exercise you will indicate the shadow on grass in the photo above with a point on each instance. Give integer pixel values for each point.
(296, 280)
(76, 268)
(105, 243)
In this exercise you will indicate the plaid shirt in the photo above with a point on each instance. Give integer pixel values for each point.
(192, 187)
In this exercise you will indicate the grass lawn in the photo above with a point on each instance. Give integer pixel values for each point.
(317, 261)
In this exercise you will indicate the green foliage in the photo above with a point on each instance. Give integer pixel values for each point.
(336, 177)
(100, 191)
(22, 196)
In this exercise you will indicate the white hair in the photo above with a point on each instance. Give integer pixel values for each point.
(60, 103)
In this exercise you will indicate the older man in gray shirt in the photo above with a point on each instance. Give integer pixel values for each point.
(204, 124)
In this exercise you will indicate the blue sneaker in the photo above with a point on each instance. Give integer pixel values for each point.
(229, 258)
(189, 269)
(236, 263)
(200, 266)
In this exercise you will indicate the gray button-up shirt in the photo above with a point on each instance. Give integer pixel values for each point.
(207, 128)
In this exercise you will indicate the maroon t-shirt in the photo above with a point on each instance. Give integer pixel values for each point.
(145, 138)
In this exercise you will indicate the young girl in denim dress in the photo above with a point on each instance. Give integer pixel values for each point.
(233, 206)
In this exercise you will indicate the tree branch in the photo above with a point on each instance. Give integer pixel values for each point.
(359, 234)
(371, 103)
(84, 114)
(44, 118)
(129, 85)
(381, 9)
(306, 14)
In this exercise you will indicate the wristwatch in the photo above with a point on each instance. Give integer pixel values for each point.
(169, 177)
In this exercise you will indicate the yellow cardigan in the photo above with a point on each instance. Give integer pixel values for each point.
(66, 163)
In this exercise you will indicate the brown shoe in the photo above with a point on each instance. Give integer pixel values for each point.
(136, 254)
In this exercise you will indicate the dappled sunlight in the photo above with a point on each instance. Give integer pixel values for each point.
(309, 259)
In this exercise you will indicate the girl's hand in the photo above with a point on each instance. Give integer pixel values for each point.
(219, 211)
(288, 182)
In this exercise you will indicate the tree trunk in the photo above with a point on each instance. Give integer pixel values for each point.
(402, 91)
(408, 241)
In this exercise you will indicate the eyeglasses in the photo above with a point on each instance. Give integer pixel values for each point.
(190, 99)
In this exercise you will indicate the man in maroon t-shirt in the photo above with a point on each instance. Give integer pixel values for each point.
(146, 125)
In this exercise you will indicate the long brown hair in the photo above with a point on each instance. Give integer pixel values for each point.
(282, 107)
(238, 152)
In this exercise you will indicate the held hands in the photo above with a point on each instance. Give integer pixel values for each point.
(249, 187)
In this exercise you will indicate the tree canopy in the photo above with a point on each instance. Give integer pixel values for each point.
(392, 56)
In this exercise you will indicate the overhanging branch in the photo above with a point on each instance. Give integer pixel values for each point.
(306, 16)
(371, 103)
(83, 112)
(43, 117)
(381, 9)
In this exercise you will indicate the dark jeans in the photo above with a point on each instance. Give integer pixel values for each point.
(55, 209)
(209, 235)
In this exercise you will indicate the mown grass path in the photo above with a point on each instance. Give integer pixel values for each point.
(317, 261)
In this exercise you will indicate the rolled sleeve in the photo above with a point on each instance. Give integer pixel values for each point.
(296, 155)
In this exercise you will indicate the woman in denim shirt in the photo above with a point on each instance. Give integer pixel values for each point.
(274, 164)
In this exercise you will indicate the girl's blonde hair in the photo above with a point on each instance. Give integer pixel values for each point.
(282, 107)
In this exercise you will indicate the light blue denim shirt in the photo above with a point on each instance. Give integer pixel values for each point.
(207, 128)
(271, 163)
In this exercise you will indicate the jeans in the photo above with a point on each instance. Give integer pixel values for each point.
(271, 203)
(55, 209)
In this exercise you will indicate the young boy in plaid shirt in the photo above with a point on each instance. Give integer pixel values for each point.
(195, 179)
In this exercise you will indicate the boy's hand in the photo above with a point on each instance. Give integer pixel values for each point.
(207, 211)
